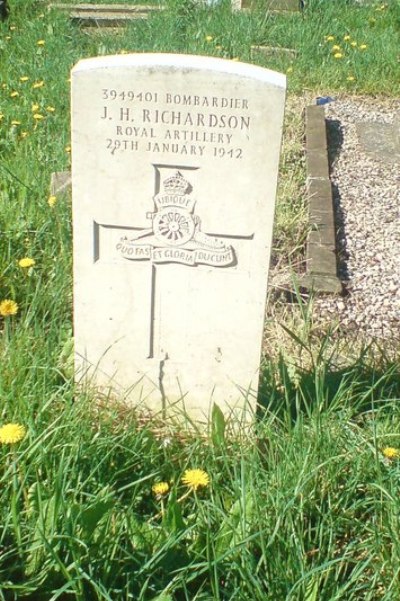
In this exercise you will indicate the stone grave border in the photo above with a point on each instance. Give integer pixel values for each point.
(321, 255)
(281, 6)
(105, 15)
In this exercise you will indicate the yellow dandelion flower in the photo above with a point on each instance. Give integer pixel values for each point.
(391, 453)
(12, 433)
(14, 94)
(1, 116)
(363, 46)
(15, 122)
(24, 78)
(160, 488)
(24, 134)
(51, 201)
(50, 109)
(40, 43)
(351, 78)
(347, 38)
(13, 27)
(353, 43)
(195, 478)
(35, 107)
(338, 55)
(336, 48)
(38, 117)
(68, 149)
(8, 37)
(289, 70)
(329, 38)
(208, 38)
(8, 307)
(26, 262)
(38, 84)
(218, 47)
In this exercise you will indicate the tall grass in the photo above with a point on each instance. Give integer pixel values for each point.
(307, 502)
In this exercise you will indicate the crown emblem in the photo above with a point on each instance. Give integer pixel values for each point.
(177, 184)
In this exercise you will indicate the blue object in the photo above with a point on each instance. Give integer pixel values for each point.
(324, 100)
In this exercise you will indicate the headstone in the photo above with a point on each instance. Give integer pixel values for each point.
(174, 174)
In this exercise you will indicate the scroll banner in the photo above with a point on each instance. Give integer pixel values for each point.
(139, 252)
(175, 200)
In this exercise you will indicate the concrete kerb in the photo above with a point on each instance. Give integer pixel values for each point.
(105, 15)
(321, 255)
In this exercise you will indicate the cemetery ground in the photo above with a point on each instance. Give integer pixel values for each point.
(98, 502)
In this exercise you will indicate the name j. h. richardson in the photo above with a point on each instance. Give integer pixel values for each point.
(179, 118)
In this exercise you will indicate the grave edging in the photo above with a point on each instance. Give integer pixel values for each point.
(321, 254)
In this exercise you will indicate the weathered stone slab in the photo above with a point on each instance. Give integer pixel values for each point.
(322, 257)
(60, 182)
(175, 162)
(270, 5)
(106, 15)
(381, 140)
(317, 163)
(272, 52)
(321, 253)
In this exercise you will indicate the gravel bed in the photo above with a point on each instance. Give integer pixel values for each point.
(367, 202)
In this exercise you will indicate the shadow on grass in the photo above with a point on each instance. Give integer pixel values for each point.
(358, 388)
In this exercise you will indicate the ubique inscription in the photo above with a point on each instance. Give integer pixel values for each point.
(177, 124)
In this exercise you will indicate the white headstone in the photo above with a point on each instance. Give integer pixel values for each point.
(174, 174)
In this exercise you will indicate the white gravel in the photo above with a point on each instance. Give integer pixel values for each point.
(367, 199)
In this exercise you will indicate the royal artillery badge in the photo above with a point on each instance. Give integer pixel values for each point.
(175, 234)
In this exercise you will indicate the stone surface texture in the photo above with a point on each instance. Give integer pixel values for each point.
(366, 186)
(321, 257)
(105, 15)
(174, 167)
(269, 5)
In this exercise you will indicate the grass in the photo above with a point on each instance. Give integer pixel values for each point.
(303, 508)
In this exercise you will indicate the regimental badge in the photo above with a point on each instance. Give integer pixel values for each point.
(175, 234)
